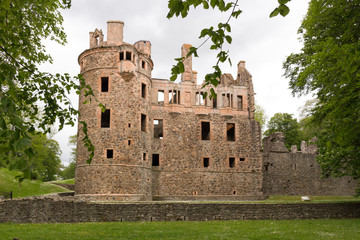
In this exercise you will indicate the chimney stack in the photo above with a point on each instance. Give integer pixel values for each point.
(115, 31)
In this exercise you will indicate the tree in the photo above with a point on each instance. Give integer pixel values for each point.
(23, 88)
(44, 166)
(260, 116)
(328, 65)
(284, 122)
(219, 35)
(69, 171)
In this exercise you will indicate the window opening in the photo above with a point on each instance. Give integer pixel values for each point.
(170, 96)
(228, 100)
(121, 56)
(178, 97)
(143, 122)
(160, 98)
(158, 128)
(143, 64)
(239, 102)
(129, 142)
(143, 90)
(175, 96)
(231, 162)
(144, 156)
(104, 84)
(109, 153)
(206, 162)
(230, 131)
(129, 125)
(155, 160)
(242, 159)
(128, 56)
(105, 119)
(200, 98)
(205, 130)
(234, 192)
(214, 102)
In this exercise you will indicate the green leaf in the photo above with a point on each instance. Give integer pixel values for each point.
(228, 39)
(274, 13)
(284, 10)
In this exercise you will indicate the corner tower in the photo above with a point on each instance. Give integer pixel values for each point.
(120, 77)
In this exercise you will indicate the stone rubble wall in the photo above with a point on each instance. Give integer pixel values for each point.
(70, 209)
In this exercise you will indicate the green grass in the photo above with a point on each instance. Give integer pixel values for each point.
(25, 188)
(265, 229)
(65, 181)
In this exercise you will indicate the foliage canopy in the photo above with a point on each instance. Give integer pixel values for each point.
(328, 65)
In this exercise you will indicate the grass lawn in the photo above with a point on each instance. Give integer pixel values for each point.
(66, 181)
(260, 229)
(25, 188)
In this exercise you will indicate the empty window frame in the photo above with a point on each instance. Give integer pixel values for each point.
(143, 122)
(199, 98)
(158, 128)
(144, 156)
(143, 64)
(205, 130)
(242, 159)
(105, 118)
(128, 56)
(230, 131)
(174, 97)
(160, 97)
(121, 56)
(155, 160)
(231, 162)
(104, 84)
(206, 162)
(240, 102)
(109, 153)
(214, 101)
(143, 90)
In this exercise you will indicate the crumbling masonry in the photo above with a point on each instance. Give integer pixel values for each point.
(160, 140)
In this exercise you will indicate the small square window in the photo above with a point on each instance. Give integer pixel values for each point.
(206, 162)
(231, 162)
(105, 119)
(143, 90)
(143, 122)
(109, 153)
(155, 160)
(104, 84)
(242, 159)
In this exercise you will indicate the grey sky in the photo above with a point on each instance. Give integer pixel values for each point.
(262, 42)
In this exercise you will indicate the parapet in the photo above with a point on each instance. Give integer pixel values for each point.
(114, 35)
(275, 143)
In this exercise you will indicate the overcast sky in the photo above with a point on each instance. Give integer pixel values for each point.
(263, 43)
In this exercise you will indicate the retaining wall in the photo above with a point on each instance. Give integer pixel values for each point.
(40, 210)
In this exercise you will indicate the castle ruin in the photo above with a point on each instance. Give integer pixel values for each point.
(161, 140)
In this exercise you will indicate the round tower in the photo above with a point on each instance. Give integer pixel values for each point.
(120, 77)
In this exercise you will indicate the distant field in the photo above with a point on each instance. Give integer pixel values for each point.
(265, 229)
(25, 188)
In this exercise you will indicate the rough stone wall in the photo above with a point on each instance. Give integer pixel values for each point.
(298, 173)
(66, 210)
(181, 174)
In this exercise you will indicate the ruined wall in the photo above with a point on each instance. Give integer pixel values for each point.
(65, 210)
(120, 77)
(298, 173)
(143, 166)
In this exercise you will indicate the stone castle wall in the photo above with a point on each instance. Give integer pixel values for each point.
(148, 162)
(298, 173)
(67, 210)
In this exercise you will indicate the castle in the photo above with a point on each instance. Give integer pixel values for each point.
(160, 140)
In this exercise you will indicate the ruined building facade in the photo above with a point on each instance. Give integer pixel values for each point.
(160, 140)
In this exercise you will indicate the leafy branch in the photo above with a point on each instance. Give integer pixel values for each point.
(219, 35)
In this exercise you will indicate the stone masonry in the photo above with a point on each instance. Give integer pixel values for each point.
(160, 140)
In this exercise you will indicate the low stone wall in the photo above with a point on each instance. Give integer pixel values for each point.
(68, 209)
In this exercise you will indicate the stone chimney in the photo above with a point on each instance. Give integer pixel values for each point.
(115, 31)
(187, 75)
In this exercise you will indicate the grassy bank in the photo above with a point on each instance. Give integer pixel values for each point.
(291, 229)
(25, 188)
